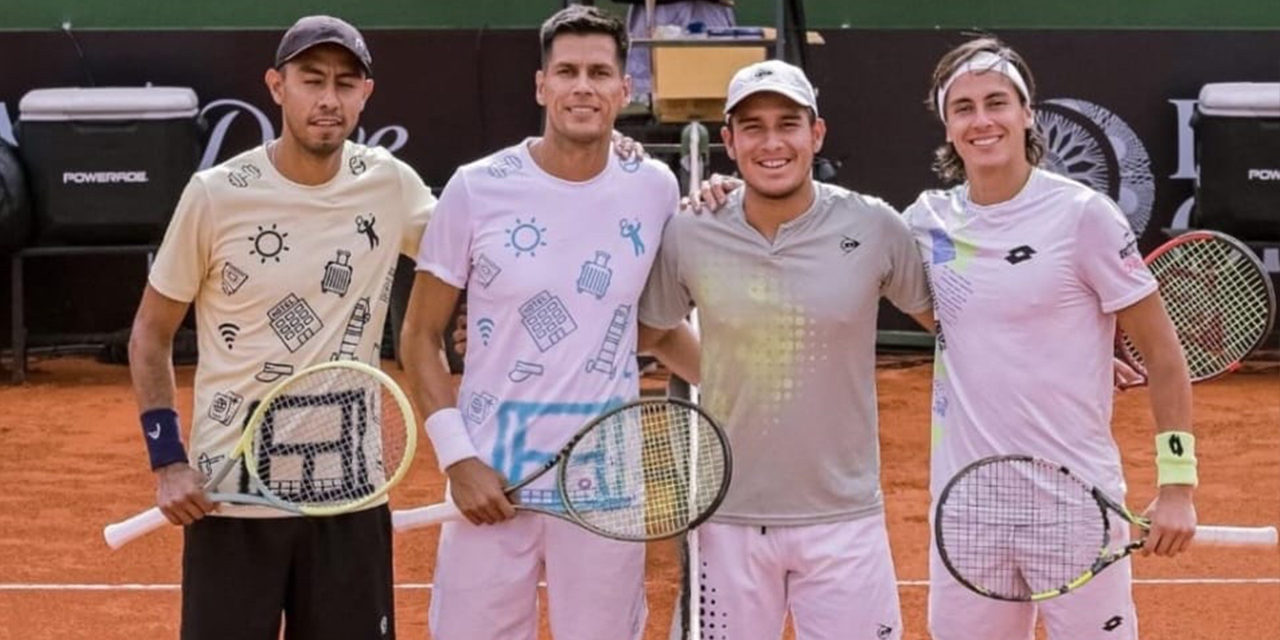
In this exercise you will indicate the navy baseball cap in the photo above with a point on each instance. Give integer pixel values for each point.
(310, 31)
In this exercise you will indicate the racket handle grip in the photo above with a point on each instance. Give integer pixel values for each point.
(1236, 536)
(406, 519)
(121, 533)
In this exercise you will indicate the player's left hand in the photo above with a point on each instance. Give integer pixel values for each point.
(1173, 521)
(626, 147)
(712, 194)
(1123, 375)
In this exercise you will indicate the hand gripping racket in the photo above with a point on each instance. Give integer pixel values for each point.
(1219, 297)
(1024, 529)
(647, 470)
(329, 439)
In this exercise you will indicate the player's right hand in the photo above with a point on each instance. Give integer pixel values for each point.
(180, 494)
(460, 332)
(477, 491)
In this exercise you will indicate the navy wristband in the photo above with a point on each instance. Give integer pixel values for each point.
(163, 437)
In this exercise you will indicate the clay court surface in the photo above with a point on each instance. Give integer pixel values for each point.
(71, 459)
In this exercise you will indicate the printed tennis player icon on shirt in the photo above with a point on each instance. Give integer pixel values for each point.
(631, 229)
(365, 226)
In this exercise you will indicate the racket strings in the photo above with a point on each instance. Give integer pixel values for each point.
(333, 437)
(1018, 528)
(1217, 300)
(646, 473)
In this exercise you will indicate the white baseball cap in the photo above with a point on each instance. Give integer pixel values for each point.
(774, 76)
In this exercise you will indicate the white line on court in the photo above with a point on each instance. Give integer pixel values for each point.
(419, 586)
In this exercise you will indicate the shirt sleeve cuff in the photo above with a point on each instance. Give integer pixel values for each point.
(1131, 299)
(448, 433)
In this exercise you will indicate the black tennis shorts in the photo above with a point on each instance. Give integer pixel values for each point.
(323, 578)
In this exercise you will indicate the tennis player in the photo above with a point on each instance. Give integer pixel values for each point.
(287, 252)
(787, 279)
(552, 238)
(1031, 272)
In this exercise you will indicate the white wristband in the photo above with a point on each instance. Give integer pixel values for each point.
(448, 433)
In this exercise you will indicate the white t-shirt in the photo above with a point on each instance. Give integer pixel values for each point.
(1025, 294)
(553, 272)
(283, 276)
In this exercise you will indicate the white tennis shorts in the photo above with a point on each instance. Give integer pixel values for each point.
(1102, 609)
(837, 581)
(486, 582)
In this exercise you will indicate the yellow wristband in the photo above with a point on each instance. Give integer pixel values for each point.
(1176, 458)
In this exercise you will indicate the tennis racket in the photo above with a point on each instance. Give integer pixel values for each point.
(647, 470)
(330, 439)
(1023, 529)
(1219, 297)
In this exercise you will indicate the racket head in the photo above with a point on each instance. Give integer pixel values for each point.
(1219, 298)
(647, 470)
(1021, 529)
(332, 438)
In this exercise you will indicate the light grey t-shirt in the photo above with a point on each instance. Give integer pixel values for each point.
(788, 346)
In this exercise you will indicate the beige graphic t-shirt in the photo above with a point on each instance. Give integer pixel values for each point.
(283, 276)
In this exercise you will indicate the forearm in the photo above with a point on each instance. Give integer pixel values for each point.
(423, 353)
(1170, 391)
(151, 349)
(422, 346)
(678, 349)
(151, 368)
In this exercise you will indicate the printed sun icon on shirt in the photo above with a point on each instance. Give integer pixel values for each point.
(268, 244)
(526, 237)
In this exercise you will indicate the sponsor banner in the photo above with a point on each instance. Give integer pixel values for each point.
(1115, 106)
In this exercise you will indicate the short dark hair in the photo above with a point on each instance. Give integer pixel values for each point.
(584, 20)
(946, 162)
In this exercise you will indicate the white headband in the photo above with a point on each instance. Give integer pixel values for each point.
(982, 62)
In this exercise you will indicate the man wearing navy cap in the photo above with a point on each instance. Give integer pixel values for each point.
(248, 247)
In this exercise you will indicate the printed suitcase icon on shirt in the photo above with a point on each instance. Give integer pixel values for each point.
(337, 274)
(595, 276)
(546, 319)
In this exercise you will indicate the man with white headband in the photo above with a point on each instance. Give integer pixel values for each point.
(787, 279)
(1031, 273)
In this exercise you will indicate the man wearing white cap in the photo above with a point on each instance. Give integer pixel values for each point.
(787, 279)
(1034, 271)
